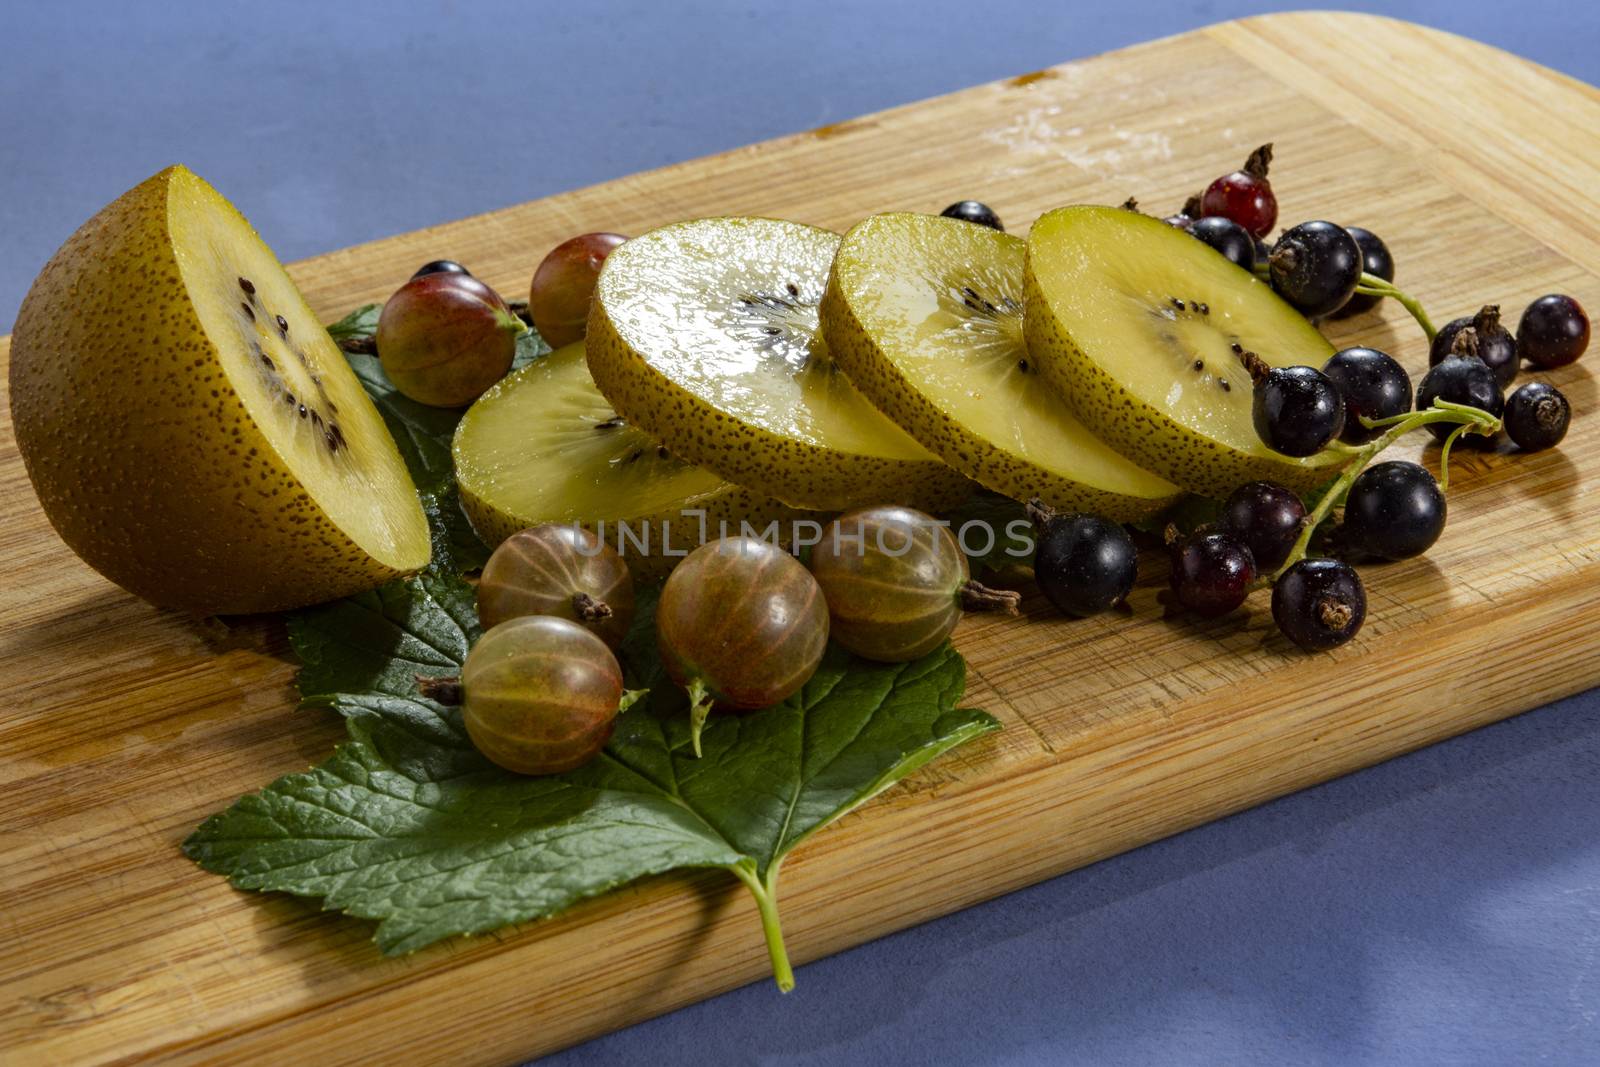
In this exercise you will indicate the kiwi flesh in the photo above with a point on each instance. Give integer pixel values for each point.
(190, 428)
(925, 315)
(1140, 328)
(704, 335)
(543, 445)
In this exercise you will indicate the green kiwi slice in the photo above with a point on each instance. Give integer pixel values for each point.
(925, 315)
(1140, 328)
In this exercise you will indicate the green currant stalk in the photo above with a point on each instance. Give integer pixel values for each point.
(1372, 285)
(765, 890)
(1467, 419)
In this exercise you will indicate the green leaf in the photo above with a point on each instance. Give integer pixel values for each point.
(362, 322)
(530, 346)
(1012, 531)
(1188, 513)
(408, 825)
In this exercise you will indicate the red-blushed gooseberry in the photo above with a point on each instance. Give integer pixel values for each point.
(741, 624)
(563, 286)
(562, 570)
(444, 338)
(896, 583)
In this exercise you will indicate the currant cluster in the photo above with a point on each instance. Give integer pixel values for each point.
(1357, 403)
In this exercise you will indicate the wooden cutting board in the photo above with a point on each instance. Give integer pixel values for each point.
(123, 726)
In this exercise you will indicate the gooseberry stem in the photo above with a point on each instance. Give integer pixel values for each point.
(1466, 416)
(446, 691)
(1372, 285)
(699, 709)
(589, 609)
(766, 894)
(975, 596)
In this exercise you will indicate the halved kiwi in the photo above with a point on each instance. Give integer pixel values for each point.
(1139, 327)
(925, 315)
(543, 445)
(704, 334)
(191, 429)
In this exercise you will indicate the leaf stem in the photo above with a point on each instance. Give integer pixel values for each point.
(766, 894)
(699, 709)
(1397, 426)
(1372, 285)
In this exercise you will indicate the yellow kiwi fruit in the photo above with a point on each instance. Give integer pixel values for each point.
(190, 428)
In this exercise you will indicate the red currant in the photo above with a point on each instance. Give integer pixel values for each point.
(1245, 196)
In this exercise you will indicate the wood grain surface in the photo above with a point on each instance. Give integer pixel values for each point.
(123, 726)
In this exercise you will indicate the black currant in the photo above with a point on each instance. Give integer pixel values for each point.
(1180, 221)
(1228, 237)
(1211, 572)
(1268, 518)
(1319, 603)
(1461, 380)
(1315, 267)
(1084, 564)
(973, 211)
(1394, 510)
(1489, 341)
(1554, 331)
(441, 266)
(1537, 416)
(1297, 410)
(1375, 259)
(1372, 384)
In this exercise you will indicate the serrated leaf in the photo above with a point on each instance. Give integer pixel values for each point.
(408, 825)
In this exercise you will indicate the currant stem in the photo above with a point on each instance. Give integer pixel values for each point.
(1397, 426)
(1444, 456)
(699, 709)
(766, 894)
(1372, 285)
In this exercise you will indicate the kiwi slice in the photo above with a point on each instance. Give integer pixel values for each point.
(704, 334)
(1140, 328)
(925, 315)
(191, 429)
(543, 445)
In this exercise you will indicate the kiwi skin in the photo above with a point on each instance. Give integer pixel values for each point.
(143, 456)
(798, 474)
(1145, 435)
(850, 344)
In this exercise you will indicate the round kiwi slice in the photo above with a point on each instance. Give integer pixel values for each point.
(543, 445)
(925, 315)
(1140, 328)
(191, 429)
(704, 334)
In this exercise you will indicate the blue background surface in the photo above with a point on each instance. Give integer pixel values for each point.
(1442, 908)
